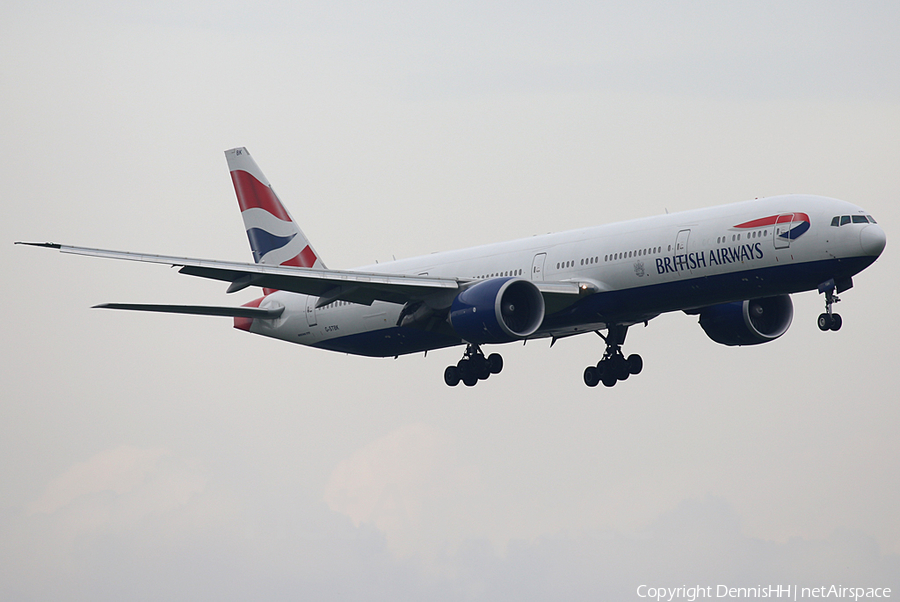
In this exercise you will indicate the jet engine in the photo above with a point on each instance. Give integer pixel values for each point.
(497, 311)
(748, 322)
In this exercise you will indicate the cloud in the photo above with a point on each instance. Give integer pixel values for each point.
(119, 471)
(401, 483)
(117, 489)
(124, 471)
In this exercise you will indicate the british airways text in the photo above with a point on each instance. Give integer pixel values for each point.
(699, 259)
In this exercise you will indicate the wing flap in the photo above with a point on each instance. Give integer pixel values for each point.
(356, 287)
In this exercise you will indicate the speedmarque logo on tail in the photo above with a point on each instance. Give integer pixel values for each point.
(795, 225)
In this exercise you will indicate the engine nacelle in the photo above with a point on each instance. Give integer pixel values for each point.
(497, 311)
(748, 322)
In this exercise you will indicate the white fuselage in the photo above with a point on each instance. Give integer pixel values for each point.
(637, 269)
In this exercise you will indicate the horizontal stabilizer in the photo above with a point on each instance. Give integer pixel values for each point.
(47, 245)
(201, 310)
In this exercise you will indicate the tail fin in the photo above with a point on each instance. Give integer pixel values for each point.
(275, 238)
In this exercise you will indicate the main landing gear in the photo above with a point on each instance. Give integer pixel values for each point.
(614, 366)
(473, 367)
(829, 320)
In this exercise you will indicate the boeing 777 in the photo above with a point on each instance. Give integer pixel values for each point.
(735, 266)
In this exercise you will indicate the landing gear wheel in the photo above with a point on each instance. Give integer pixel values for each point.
(591, 376)
(620, 368)
(465, 368)
(825, 321)
(836, 322)
(482, 367)
(635, 363)
(495, 360)
(609, 379)
(470, 381)
(451, 376)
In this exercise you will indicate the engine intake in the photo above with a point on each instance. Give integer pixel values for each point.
(497, 311)
(748, 322)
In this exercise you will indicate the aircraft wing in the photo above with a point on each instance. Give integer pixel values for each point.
(329, 285)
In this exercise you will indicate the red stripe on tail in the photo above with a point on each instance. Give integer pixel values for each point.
(251, 193)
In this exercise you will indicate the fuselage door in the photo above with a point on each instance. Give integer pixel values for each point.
(311, 310)
(537, 267)
(782, 230)
(681, 242)
(681, 250)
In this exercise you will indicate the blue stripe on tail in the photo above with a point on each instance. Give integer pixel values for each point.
(262, 242)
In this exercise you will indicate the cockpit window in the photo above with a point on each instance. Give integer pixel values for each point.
(840, 220)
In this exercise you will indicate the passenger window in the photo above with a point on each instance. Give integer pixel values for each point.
(845, 219)
(860, 219)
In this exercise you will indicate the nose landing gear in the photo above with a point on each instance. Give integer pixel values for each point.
(614, 366)
(474, 366)
(829, 320)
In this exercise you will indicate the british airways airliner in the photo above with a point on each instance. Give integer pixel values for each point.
(733, 266)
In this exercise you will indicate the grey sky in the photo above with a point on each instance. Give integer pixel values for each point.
(169, 457)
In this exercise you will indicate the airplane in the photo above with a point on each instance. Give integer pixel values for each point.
(734, 266)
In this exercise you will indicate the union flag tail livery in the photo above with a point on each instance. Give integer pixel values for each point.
(275, 238)
(733, 266)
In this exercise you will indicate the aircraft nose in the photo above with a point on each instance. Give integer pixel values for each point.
(872, 240)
